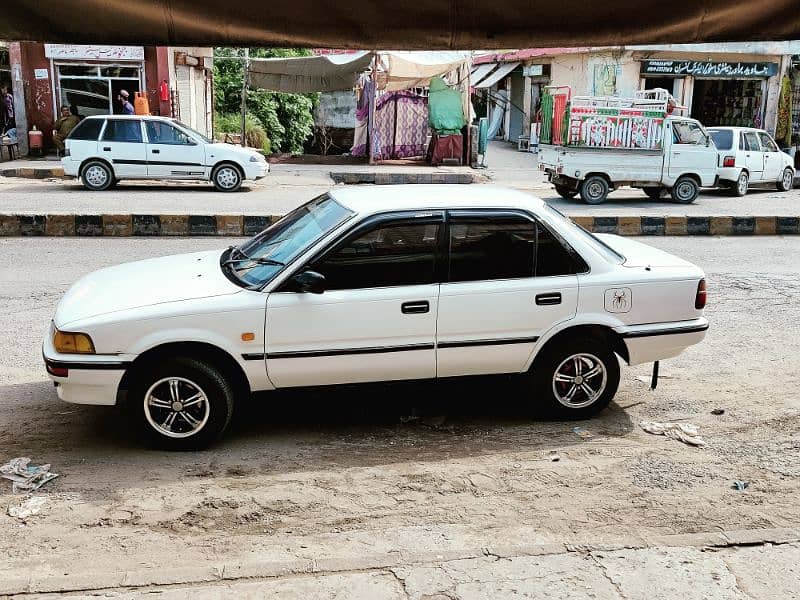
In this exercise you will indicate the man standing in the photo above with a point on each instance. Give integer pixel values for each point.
(63, 126)
(6, 110)
(127, 107)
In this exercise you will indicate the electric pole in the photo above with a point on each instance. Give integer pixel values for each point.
(244, 94)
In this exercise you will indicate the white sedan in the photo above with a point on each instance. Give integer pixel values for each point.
(102, 150)
(368, 284)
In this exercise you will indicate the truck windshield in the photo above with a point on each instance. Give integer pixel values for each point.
(723, 138)
(259, 260)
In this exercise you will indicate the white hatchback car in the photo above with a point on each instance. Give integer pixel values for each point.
(750, 157)
(365, 285)
(101, 150)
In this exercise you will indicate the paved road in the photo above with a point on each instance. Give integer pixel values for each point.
(341, 482)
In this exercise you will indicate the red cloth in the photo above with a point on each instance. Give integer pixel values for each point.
(446, 146)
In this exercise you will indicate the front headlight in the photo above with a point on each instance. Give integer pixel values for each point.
(257, 158)
(72, 343)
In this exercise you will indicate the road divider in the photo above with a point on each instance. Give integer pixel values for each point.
(121, 225)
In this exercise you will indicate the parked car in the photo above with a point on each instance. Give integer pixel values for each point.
(747, 157)
(102, 150)
(423, 282)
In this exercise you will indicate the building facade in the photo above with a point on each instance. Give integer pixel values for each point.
(176, 82)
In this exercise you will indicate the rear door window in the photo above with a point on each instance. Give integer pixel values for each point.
(751, 141)
(123, 130)
(88, 129)
(723, 138)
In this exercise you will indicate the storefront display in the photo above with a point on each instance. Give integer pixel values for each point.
(736, 102)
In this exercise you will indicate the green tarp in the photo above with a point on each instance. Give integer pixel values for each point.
(445, 111)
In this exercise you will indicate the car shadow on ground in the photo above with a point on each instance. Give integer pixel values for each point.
(306, 430)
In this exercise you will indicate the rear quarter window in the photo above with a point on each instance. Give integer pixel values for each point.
(723, 138)
(88, 129)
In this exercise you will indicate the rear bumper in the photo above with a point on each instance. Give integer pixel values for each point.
(71, 167)
(659, 341)
(729, 174)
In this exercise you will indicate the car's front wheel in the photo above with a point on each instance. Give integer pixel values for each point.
(786, 182)
(181, 403)
(97, 176)
(576, 378)
(227, 178)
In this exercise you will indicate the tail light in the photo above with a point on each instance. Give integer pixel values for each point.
(729, 161)
(700, 298)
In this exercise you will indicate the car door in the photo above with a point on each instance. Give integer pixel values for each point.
(773, 157)
(691, 152)
(172, 153)
(121, 143)
(509, 280)
(376, 319)
(753, 156)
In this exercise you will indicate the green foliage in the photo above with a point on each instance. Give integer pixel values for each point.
(254, 130)
(287, 118)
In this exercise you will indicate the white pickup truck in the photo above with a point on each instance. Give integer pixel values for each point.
(599, 144)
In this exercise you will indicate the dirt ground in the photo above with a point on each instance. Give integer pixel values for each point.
(408, 468)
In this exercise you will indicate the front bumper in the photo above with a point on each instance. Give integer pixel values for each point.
(256, 170)
(659, 341)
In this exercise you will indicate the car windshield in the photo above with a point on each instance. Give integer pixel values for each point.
(723, 138)
(599, 246)
(259, 260)
(192, 131)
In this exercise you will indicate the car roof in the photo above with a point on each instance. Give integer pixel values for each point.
(146, 117)
(375, 199)
(734, 128)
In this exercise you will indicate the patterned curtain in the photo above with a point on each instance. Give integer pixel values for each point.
(401, 126)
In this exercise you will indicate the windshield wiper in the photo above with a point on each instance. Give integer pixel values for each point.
(246, 257)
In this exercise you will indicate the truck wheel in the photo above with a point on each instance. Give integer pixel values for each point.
(576, 379)
(594, 190)
(181, 404)
(566, 192)
(685, 190)
(654, 193)
(97, 176)
(786, 182)
(740, 187)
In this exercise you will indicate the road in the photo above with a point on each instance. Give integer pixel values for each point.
(465, 500)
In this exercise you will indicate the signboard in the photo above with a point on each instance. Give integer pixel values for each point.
(533, 71)
(696, 68)
(40, 73)
(76, 52)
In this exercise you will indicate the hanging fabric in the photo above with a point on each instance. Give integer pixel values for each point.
(400, 126)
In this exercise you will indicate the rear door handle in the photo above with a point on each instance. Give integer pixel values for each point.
(415, 308)
(106, 148)
(548, 299)
(156, 151)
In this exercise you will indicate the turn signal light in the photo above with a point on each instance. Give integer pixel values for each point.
(729, 161)
(700, 298)
(72, 343)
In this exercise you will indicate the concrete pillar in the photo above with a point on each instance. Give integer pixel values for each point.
(18, 90)
(526, 106)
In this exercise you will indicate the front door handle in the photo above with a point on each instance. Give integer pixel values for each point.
(415, 308)
(548, 299)
(156, 151)
(106, 148)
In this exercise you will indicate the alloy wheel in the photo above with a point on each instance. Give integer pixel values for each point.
(227, 177)
(579, 380)
(96, 176)
(176, 407)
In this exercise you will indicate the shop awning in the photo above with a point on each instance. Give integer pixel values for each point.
(299, 75)
(503, 70)
(405, 70)
(481, 71)
(408, 24)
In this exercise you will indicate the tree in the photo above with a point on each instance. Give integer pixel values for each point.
(287, 118)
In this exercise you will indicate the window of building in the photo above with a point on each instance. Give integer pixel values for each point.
(93, 89)
(400, 253)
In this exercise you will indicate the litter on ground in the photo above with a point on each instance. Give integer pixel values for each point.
(26, 509)
(683, 432)
(24, 476)
(582, 433)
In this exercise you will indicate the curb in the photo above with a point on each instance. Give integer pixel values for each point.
(247, 225)
(230, 571)
(405, 178)
(34, 173)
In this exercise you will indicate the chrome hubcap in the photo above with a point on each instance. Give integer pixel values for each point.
(96, 175)
(227, 177)
(788, 180)
(685, 190)
(743, 184)
(176, 407)
(579, 380)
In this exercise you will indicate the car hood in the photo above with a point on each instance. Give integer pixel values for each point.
(641, 255)
(229, 149)
(144, 283)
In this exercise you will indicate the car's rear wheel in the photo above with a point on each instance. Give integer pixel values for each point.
(576, 378)
(181, 403)
(594, 189)
(566, 192)
(739, 188)
(685, 190)
(97, 176)
(654, 193)
(227, 178)
(786, 182)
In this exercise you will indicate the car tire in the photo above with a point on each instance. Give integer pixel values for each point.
(786, 182)
(739, 187)
(227, 178)
(685, 190)
(97, 176)
(158, 404)
(594, 189)
(555, 374)
(654, 193)
(566, 192)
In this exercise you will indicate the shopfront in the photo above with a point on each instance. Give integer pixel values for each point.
(715, 92)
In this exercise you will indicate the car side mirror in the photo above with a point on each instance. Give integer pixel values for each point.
(309, 282)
